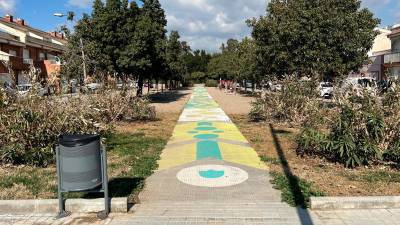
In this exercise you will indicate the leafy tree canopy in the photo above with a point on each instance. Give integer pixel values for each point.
(327, 38)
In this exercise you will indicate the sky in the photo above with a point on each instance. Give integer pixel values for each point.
(205, 24)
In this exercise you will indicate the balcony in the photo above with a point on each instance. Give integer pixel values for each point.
(45, 44)
(392, 58)
(28, 61)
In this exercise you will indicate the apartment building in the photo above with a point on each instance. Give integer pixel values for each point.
(392, 59)
(381, 46)
(23, 48)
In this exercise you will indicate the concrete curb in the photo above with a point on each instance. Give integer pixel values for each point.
(378, 202)
(118, 205)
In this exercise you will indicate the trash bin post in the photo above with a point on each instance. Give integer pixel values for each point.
(61, 204)
(105, 180)
(104, 214)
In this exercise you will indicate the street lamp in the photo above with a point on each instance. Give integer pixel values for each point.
(70, 16)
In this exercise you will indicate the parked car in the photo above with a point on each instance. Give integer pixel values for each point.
(383, 86)
(24, 89)
(326, 89)
(120, 85)
(7, 88)
(93, 86)
(361, 83)
(274, 86)
(249, 85)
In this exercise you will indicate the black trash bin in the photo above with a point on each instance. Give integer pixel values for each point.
(80, 162)
(81, 167)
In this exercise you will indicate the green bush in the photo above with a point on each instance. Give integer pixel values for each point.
(293, 104)
(31, 126)
(311, 142)
(356, 135)
(211, 83)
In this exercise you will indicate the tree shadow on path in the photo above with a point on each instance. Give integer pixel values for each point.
(294, 183)
(167, 96)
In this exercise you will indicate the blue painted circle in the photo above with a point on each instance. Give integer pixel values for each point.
(212, 174)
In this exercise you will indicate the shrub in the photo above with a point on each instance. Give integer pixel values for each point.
(258, 111)
(30, 126)
(311, 142)
(293, 104)
(355, 135)
(211, 83)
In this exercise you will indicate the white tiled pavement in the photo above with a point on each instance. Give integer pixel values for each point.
(289, 217)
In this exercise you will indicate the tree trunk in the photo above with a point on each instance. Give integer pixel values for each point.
(148, 86)
(157, 85)
(139, 92)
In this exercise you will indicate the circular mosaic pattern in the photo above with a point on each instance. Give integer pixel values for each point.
(212, 176)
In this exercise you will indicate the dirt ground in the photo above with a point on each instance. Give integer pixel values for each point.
(274, 143)
(231, 103)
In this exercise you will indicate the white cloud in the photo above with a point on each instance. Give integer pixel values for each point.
(80, 3)
(7, 6)
(375, 3)
(206, 24)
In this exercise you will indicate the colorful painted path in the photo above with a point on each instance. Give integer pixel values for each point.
(205, 132)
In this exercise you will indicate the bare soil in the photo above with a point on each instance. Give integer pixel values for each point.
(231, 103)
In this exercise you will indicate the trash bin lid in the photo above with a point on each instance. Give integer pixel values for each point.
(74, 140)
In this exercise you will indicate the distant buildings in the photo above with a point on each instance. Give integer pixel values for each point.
(382, 45)
(392, 59)
(22, 47)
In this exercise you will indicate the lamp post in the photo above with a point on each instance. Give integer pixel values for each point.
(70, 16)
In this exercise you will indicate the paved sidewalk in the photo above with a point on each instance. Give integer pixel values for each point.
(209, 175)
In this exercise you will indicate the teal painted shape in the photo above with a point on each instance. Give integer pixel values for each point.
(205, 124)
(212, 174)
(193, 132)
(208, 150)
(205, 128)
(206, 136)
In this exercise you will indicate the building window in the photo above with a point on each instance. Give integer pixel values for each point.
(26, 53)
(42, 56)
(12, 52)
